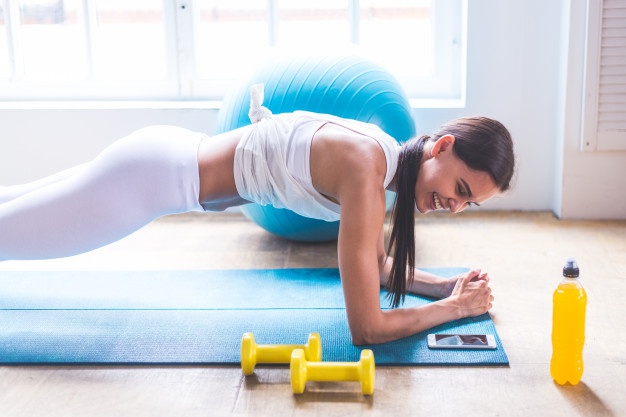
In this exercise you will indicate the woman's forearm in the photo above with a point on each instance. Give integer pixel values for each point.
(424, 283)
(470, 297)
(431, 285)
(403, 322)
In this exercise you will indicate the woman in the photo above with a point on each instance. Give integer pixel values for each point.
(316, 165)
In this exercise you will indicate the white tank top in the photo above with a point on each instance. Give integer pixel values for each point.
(272, 162)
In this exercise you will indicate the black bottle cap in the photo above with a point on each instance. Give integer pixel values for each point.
(570, 270)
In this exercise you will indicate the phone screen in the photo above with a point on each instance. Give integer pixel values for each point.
(461, 339)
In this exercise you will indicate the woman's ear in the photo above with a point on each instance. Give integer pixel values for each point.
(442, 144)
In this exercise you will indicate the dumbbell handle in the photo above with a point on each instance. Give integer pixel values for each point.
(276, 353)
(333, 371)
(251, 353)
(301, 371)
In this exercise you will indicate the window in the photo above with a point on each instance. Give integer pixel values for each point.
(199, 49)
(604, 109)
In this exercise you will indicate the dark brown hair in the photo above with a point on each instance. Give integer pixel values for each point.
(483, 144)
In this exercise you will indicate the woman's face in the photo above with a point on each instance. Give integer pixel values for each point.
(445, 182)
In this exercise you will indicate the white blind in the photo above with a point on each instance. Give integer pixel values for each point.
(604, 124)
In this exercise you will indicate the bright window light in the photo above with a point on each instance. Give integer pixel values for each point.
(199, 49)
(5, 65)
(230, 35)
(129, 40)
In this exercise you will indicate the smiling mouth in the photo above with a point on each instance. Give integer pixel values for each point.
(436, 202)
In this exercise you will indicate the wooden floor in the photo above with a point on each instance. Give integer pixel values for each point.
(523, 252)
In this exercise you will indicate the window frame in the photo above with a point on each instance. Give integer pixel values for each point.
(446, 89)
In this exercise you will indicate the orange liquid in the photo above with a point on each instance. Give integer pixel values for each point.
(568, 332)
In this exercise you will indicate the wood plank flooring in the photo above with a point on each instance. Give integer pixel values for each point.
(523, 253)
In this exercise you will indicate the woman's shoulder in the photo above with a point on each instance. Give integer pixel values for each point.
(348, 153)
(348, 139)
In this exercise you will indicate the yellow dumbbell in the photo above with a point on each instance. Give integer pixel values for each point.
(251, 353)
(303, 371)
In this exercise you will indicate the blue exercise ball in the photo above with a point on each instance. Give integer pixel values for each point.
(344, 85)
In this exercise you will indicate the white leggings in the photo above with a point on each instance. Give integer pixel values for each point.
(143, 176)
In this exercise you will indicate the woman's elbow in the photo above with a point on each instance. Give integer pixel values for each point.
(367, 334)
(359, 339)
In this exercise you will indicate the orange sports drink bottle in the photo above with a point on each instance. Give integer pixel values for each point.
(568, 327)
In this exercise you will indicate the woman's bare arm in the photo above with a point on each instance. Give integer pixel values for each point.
(424, 283)
(363, 268)
(358, 263)
(351, 172)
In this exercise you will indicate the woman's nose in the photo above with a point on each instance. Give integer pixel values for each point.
(456, 206)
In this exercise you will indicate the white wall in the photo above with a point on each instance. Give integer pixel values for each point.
(592, 184)
(38, 142)
(524, 69)
(512, 77)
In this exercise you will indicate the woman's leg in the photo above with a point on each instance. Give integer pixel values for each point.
(11, 192)
(148, 174)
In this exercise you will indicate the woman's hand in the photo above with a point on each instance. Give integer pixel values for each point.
(471, 293)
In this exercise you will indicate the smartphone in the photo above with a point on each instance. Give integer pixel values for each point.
(461, 341)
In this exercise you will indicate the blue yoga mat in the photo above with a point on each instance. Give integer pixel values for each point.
(198, 317)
